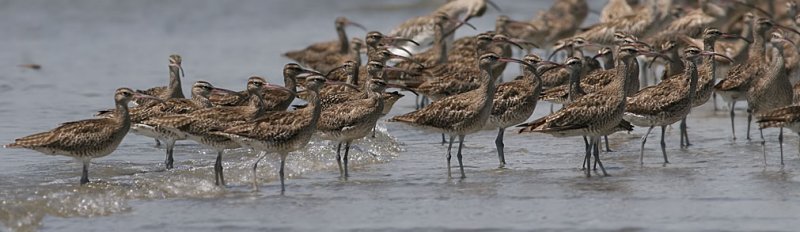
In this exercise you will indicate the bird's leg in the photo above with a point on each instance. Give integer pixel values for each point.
(588, 157)
(597, 156)
(644, 140)
(749, 119)
(733, 131)
(763, 146)
(664, 144)
(449, 148)
(683, 132)
(444, 140)
(374, 128)
(608, 149)
(500, 146)
(168, 162)
(780, 141)
(283, 163)
(346, 158)
(587, 146)
(158, 142)
(220, 179)
(460, 163)
(255, 165)
(596, 148)
(85, 173)
(339, 159)
(714, 99)
(551, 108)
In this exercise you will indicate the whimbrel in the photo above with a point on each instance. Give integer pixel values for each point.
(86, 139)
(280, 132)
(318, 51)
(351, 120)
(740, 76)
(200, 92)
(173, 90)
(273, 100)
(515, 101)
(421, 29)
(460, 114)
(199, 125)
(772, 89)
(666, 102)
(593, 115)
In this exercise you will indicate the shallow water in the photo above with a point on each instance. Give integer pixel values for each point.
(89, 48)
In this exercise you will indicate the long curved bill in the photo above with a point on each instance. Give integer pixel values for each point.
(351, 23)
(183, 74)
(403, 87)
(553, 65)
(710, 53)
(561, 45)
(523, 24)
(395, 39)
(735, 36)
(504, 39)
(222, 91)
(459, 23)
(787, 28)
(655, 54)
(508, 59)
(395, 56)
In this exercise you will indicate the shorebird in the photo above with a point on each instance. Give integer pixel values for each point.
(274, 100)
(319, 51)
(173, 90)
(421, 29)
(787, 116)
(200, 124)
(86, 139)
(772, 89)
(740, 76)
(200, 93)
(280, 132)
(707, 78)
(460, 114)
(351, 120)
(637, 25)
(515, 101)
(593, 115)
(667, 102)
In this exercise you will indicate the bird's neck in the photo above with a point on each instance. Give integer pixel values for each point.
(709, 63)
(758, 49)
(122, 115)
(439, 45)
(257, 104)
(691, 69)
(778, 68)
(628, 69)
(574, 85)
(344, 44)
(609, 62)
(175, 83)
(314, 106)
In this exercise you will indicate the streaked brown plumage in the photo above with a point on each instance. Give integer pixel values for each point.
(460, 114)
(281, 131)
(173, 90)
(514, 102)
(772, 89)
(351, 120)
(200, 92)
(85, 139)
(594, 115)
(274, 100)
(783, 117)
(740, 76)
(198, 125)
(318, 51)
(665, 103)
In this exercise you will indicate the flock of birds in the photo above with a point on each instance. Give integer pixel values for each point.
(460, 85)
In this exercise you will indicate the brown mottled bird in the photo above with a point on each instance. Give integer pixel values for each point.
(173, 90)
(85, 139)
